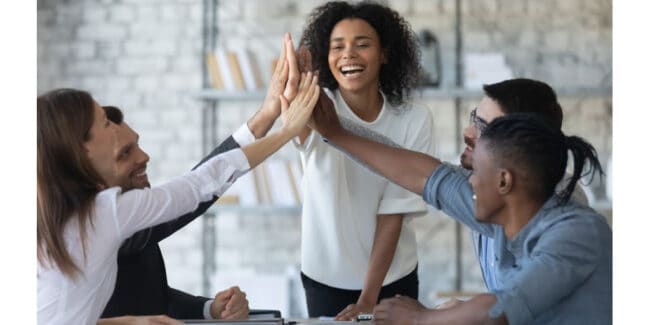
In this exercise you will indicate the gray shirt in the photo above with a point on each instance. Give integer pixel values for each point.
(556, 270)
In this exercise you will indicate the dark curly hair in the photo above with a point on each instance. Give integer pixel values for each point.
(402, 71)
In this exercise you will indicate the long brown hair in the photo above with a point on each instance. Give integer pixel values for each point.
(67, 182)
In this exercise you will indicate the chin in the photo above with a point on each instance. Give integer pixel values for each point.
(466, 162)
(141, 184)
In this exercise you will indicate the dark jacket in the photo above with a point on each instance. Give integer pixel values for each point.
(141, 286)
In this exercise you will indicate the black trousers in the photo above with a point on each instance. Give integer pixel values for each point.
(323, 300)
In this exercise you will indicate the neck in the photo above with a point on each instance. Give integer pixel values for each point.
(518, 214)
(365, 103)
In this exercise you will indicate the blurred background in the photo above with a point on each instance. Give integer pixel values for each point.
(155, 59)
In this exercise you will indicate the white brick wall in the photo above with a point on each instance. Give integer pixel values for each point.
(144, 56)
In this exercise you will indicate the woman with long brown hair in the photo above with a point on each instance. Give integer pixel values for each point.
(81, 223)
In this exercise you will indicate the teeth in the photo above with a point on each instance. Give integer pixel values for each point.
(349, 68)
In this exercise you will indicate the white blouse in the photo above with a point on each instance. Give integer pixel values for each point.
(117, 216)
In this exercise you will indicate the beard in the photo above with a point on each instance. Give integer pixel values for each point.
(466, 157)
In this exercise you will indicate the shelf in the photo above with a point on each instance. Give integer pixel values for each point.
(261, 210)
(421, 93)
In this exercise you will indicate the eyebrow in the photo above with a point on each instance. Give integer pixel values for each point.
(356, 38)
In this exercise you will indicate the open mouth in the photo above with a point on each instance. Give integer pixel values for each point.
(140, 174)
(351, 70)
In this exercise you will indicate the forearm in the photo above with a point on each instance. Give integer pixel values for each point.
(406, 168)
(259, 150)
(474, 311)
(263, 120)
(383, 250)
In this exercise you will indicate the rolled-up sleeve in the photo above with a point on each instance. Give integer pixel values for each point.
(447, 189)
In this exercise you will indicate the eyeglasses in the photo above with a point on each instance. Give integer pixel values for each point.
(479, 124)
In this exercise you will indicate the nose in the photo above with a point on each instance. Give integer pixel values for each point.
(469, 132)
(143, 157)
(349, 52)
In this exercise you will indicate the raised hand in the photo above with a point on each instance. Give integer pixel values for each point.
(296, 114)
(284, 80)
(230, 304)
(304, 60)
(324, 119)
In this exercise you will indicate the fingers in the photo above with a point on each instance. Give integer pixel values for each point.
(283, 54)
(314, 93)
(293, 70)
(284, 103)
(237, 307)
(304, 59)
(163, 320)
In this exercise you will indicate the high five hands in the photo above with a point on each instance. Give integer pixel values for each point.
(324, 119)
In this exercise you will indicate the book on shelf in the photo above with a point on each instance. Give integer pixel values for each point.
(233, 70)
(213, 71)
(221, 55)
(249, 69)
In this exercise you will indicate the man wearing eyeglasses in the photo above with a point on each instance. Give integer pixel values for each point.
(502, 98)
(510, 96)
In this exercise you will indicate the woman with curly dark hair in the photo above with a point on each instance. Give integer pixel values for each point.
(358, 243)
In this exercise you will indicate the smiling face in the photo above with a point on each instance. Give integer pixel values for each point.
(355, 56)
(487, 181)
(486, 111)
(129, 161)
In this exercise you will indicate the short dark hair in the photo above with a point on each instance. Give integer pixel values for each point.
(540, 151)
(113, 114)
(403, 71)
(523, 95)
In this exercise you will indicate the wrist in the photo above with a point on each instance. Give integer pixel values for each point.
(367, 299)
(271, 107)
(333, 133)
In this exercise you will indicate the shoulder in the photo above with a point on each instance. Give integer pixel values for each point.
(575, 222)
(107, 197)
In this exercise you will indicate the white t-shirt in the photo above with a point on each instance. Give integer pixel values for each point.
(117, 216)
(342, 200)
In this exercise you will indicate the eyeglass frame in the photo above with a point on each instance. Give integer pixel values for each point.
(478, 123)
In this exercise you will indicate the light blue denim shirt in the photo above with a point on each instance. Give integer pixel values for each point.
(556, 270)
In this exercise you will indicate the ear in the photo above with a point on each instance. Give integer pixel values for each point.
(505, 181)
(384, 56)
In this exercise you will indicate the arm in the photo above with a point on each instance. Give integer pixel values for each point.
(138, 209)
(383, 249)
(139, 320)
(183, 305)
(139, 240)
(563, 259)
(285, 79)
(409, 169)
(404, 310)
(294, 118)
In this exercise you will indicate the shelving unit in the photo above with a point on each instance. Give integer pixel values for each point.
(209, 120)
(211, 97)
